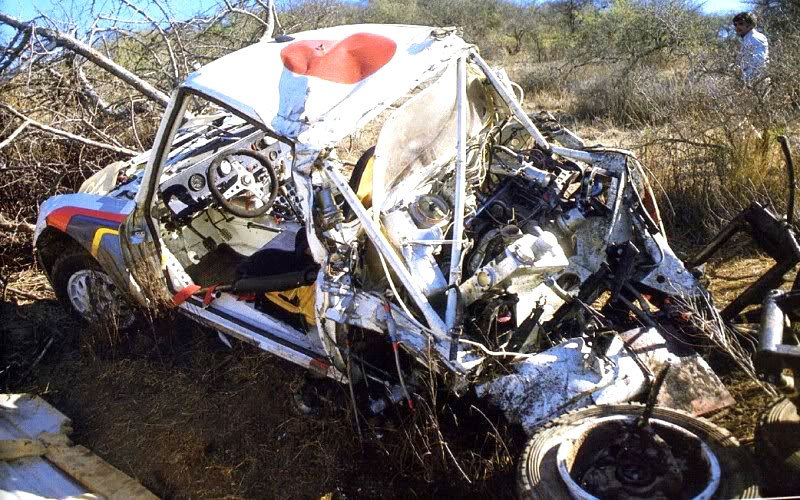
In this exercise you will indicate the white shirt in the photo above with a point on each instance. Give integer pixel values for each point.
(754, 55)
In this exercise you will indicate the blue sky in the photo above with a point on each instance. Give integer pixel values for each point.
(59, 10)
(26, 9)
(81, 10)
(723, 6)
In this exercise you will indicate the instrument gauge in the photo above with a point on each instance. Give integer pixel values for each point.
(197, 182)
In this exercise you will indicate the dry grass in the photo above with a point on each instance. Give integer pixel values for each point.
(30, 325)
(27, 286)
(174, 408)
(730, 277)
(726, 279)
(191, 419)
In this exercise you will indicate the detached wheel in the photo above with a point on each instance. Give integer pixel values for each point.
(88, 292)
(778, 448)
(589, 434)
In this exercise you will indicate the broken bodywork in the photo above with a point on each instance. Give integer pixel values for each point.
(491, 247)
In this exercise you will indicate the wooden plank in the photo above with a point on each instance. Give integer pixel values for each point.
(12, 449)
(96, 474)
(30, 428)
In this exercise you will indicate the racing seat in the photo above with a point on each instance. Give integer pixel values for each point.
(361, 181)
(281, 274)
(286, 252)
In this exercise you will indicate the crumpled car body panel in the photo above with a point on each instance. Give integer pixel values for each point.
(502, 258)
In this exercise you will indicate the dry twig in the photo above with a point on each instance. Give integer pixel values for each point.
(69, 135)
(71, 43)
(7, 224)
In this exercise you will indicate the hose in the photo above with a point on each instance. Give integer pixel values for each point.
(494, 353)
(403, 305)
(476, 259)
(508, 151)
(391, 326)
(276, 282)
(521, 97)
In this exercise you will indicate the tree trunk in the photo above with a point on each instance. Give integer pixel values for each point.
(269, 29)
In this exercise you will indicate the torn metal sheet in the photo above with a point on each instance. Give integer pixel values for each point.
(323, 83)
(563, 378)
(691, 385)
(570, 375)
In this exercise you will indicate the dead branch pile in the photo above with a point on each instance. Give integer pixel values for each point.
(74, 100)
(25, 286)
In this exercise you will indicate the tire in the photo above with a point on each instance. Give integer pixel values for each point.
(778, 448)
(538, 475)
(75, 272)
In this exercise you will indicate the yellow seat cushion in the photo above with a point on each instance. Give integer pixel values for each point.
(297, 301)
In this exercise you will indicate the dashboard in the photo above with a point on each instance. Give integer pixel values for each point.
(186, 192)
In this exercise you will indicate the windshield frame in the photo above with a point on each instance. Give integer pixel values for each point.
(177, 115)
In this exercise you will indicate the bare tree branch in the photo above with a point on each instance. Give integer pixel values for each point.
(23, 293)
(173, 61)
(12, 52)
(269, 8)
(176, 31)
(276, 18)
(7, 224)
(69, 42)
(14, 134)
(92, 95)
(69, 135)
(133, 125)
(236, 10)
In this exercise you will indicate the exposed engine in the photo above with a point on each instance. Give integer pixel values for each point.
(526, 209)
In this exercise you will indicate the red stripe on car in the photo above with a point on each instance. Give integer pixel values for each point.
(60, 217)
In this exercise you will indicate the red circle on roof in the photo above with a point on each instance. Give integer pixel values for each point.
(342, 61)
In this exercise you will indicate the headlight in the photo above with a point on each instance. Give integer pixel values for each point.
(197, 182)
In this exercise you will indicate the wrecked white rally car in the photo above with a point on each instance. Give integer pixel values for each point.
(372, 202)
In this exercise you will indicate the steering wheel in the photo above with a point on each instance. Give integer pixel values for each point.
(244, 190)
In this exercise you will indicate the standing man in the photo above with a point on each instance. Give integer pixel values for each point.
(754, 53)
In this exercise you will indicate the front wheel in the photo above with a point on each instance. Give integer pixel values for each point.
(88, 292)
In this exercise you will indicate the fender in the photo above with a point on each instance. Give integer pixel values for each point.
(93, 222)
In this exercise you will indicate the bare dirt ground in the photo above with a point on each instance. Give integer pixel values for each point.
(190, 418)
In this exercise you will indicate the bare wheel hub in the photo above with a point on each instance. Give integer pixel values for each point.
(613, 457)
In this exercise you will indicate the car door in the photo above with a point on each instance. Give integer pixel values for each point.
(138, 234)
(161, 276)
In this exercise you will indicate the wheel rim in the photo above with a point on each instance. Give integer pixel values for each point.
(95, 297)
(585, 452)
